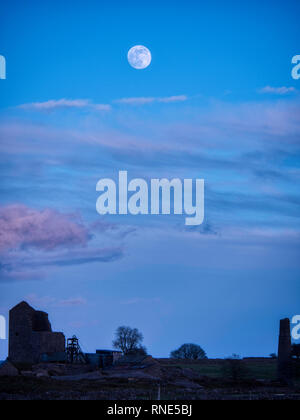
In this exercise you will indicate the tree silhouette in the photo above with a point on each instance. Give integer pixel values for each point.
(189, 351)
(129, 340)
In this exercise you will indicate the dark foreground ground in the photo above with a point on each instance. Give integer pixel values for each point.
(172, 380)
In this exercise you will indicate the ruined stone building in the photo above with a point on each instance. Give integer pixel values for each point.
(31, 336)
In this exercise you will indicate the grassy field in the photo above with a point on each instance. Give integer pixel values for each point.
(254, 369)
(176, 380)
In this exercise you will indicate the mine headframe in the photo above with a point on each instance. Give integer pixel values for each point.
(74, 352)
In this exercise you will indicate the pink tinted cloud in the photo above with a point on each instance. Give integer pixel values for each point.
(220, 125)
(23, 227)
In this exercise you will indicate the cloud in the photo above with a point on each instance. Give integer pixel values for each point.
(138, 300)
(277, 90)
(23, 266)
(113, 229)
(64, 103)
(48, 301)
(147, 100)
(246, 146)
(32, 241)
(23, 227)
(179, 98)
(72, 302)
(226, 126)
(39, 302)
(84, 256)
(135, 101)
(206, 228)
(234, 202)
(7, 274)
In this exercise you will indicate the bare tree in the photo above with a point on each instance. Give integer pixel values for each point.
(129, 340)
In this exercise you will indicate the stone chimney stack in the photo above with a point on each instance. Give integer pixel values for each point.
(284, 351)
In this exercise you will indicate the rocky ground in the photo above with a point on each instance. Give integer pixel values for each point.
(145, 380)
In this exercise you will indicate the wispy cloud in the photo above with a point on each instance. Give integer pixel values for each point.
(20, 274)
(219, 125)
(48, 301)
(84, 256)
(22, 266)
(51, 105)
(55, 104)
(283, 90)
(147, 100)
(79, 301)
(179, 98)
(139, 300)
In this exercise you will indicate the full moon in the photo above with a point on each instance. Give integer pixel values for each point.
(139, 57)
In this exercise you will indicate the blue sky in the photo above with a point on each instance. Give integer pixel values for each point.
(217, 102)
